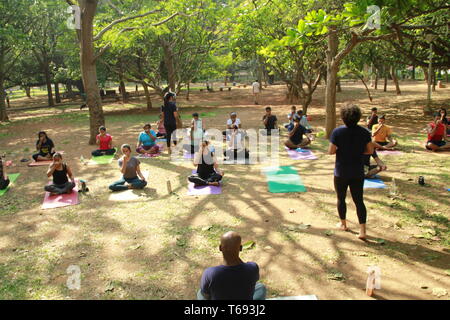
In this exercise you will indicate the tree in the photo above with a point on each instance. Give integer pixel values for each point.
(13, 27)
(347, 24)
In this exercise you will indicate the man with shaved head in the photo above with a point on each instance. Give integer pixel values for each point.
(234, 279)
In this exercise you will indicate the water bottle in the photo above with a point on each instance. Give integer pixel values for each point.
(393, 190)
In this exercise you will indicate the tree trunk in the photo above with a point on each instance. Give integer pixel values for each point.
(123, 91)
(168, 60)
(69, 90)
(147, 97)
(88, 68)
(433, 72)
(48, 80)
(189, 88)
(57, 95)
(3, 113)
(385, 82)
(425, 74)
(338, 89)
(27, 91)
(330, 90)
(413, 74)
(376, 80)
(394, 77)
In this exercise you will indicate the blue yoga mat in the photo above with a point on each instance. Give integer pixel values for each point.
(374, 184)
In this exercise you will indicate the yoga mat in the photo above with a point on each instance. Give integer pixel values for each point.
(12, 177)
(61, 200)
(148, 155)
(283, 179)
(42, 163)
(374, 184)
(388, 153)
(128, 195)
(197, 191)
(448, 189)
(279, 170)
(188, 155)
(106, 159)
(161, 140)
(301, 154)
(307, 297)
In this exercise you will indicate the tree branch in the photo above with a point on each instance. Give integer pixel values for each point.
(112, 24)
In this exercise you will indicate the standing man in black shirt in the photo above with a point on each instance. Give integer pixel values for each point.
(169, 114)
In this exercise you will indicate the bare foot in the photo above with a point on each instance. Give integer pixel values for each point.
(362, 236)
(342, 226)
(214, 184)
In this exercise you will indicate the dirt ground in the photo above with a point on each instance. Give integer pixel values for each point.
(158, 246)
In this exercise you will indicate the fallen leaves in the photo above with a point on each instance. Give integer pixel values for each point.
(248, 245)
(439, 292)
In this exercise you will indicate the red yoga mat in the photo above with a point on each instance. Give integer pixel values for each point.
(61, 200)
(42, 163)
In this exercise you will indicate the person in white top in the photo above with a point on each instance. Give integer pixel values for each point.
(197, 131)
(233, 123)
(256, 87)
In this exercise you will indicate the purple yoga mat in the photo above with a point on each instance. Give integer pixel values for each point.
(386, 152)
(188, 155)
(197, 191)
(303, 155)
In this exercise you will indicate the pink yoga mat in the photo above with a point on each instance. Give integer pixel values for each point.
(304, 155)
(62, 200)
(387, 152)
(197, 191)
(42, 163)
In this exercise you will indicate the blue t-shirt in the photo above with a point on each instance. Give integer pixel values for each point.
(351, 144)
(230, 282)
(145, 139)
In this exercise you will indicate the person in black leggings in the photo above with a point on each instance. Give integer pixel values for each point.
(4, 180)
(60, 171)
(350, 143)
(169, 117)
(208, 172)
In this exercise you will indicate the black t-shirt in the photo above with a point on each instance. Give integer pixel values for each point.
(206, 167)
(297, 137)
(351, 143)
(46, 146)
(168, 110)
(373, 120)
(270, 122)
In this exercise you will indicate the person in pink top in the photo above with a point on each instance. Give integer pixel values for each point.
(161, 130)
(104, 141)
(437, 140)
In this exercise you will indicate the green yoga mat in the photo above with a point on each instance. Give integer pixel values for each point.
(283, 180)
(12, 177)
(106, 159)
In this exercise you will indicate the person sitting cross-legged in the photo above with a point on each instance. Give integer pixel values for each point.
(234, 279)
(270, 121)
(104, 141)
(130, 169)
(161, 134)
(59, 170)
(4, 180)
(45, 146)
(437, 140)
(208, 172)
(382, 135)
(296, 139)
(147, 141)
(289, 126)
(371, 170)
